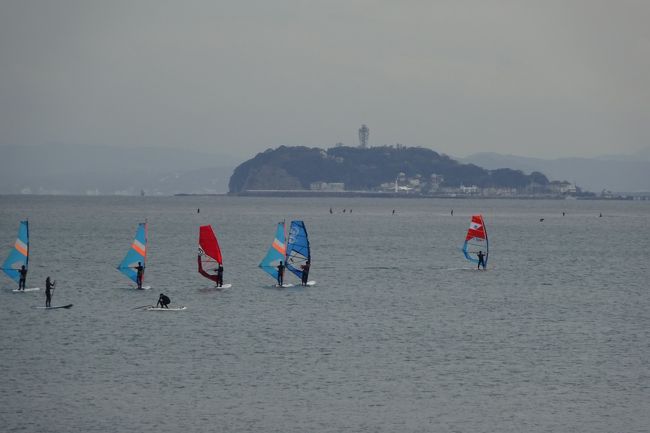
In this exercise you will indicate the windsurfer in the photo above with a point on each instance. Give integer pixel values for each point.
(49, 288)
(220, 275)
(163, 301)
(140, 273)
(305, 273)
(481, 260)
(217, 278)
(23, 277)
(280, 274)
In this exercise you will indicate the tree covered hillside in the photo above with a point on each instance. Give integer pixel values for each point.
(365, 169)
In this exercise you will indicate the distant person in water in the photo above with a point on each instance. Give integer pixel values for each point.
(140, 273)
(305, 272)
(331, 210)
(23, 277)
(280, 274)
(49, 288)
(393, 211)
(481, 260)
(452, 212)
(163, 301)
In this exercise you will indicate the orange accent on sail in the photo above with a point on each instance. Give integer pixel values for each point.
(279, 247)
(21, 248)
(139, 249)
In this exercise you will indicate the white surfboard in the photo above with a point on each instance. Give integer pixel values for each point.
(143, 288)
(54, 308)
(165, 309)
(284, 285)
(311, 282)
(32, 289)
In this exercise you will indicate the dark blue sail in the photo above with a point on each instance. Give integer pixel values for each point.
(297, 248)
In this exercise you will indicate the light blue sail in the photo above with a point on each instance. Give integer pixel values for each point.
(137, 253)
(19, 254)
(297, 248)
(276, 253)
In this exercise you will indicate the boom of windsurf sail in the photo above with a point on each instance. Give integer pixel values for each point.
(136, 253)
(19, 254)
(297, 248)
(476, 240)
(276, 253)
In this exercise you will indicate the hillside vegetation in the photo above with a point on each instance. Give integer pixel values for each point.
(365, 169)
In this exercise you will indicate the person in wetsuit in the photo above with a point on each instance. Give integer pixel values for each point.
(23, 276)
(305, 273)
(220, 275)
(163, 301)
(140, 274)
(280, 274)
(49, 288)
(217, 278)
(481, 260)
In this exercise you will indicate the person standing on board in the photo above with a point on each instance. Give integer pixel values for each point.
(305, 273)
(481, 260)
(217, 278)
(140, 273)
(220, 275)
(280, 274)
(49, 288)
(163, 301)
(23, 277)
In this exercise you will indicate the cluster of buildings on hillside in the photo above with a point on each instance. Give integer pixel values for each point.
(433, 186)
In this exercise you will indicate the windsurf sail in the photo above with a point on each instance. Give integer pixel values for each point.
(276, 253)
(476, 240)
(137, 253)
(297, 248)
(19, 254)
(209, 251)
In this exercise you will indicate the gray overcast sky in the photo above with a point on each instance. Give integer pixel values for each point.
(538, 78)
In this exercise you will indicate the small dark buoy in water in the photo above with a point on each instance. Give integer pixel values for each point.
(600, 216)
(350, 210)
(393, 211)
(562, 213)
(343, 210)
(452, 212)
(331, 210)
(541, 220)
(198, 210)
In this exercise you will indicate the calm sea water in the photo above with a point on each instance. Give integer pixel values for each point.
(398, 335)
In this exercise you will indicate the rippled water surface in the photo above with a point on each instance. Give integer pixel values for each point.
(398, 335)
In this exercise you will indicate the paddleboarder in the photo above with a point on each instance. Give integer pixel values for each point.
(163, 301)
(49, 288)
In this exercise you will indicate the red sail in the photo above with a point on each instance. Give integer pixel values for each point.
(208, 243)
(476, 228)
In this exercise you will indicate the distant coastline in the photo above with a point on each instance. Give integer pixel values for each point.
(379, 194)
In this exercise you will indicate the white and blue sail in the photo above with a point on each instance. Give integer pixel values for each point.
(276, 253)
(298, 252)
(136, 253)
(19, 254)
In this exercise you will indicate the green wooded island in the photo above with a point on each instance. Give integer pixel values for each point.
(384, 170)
